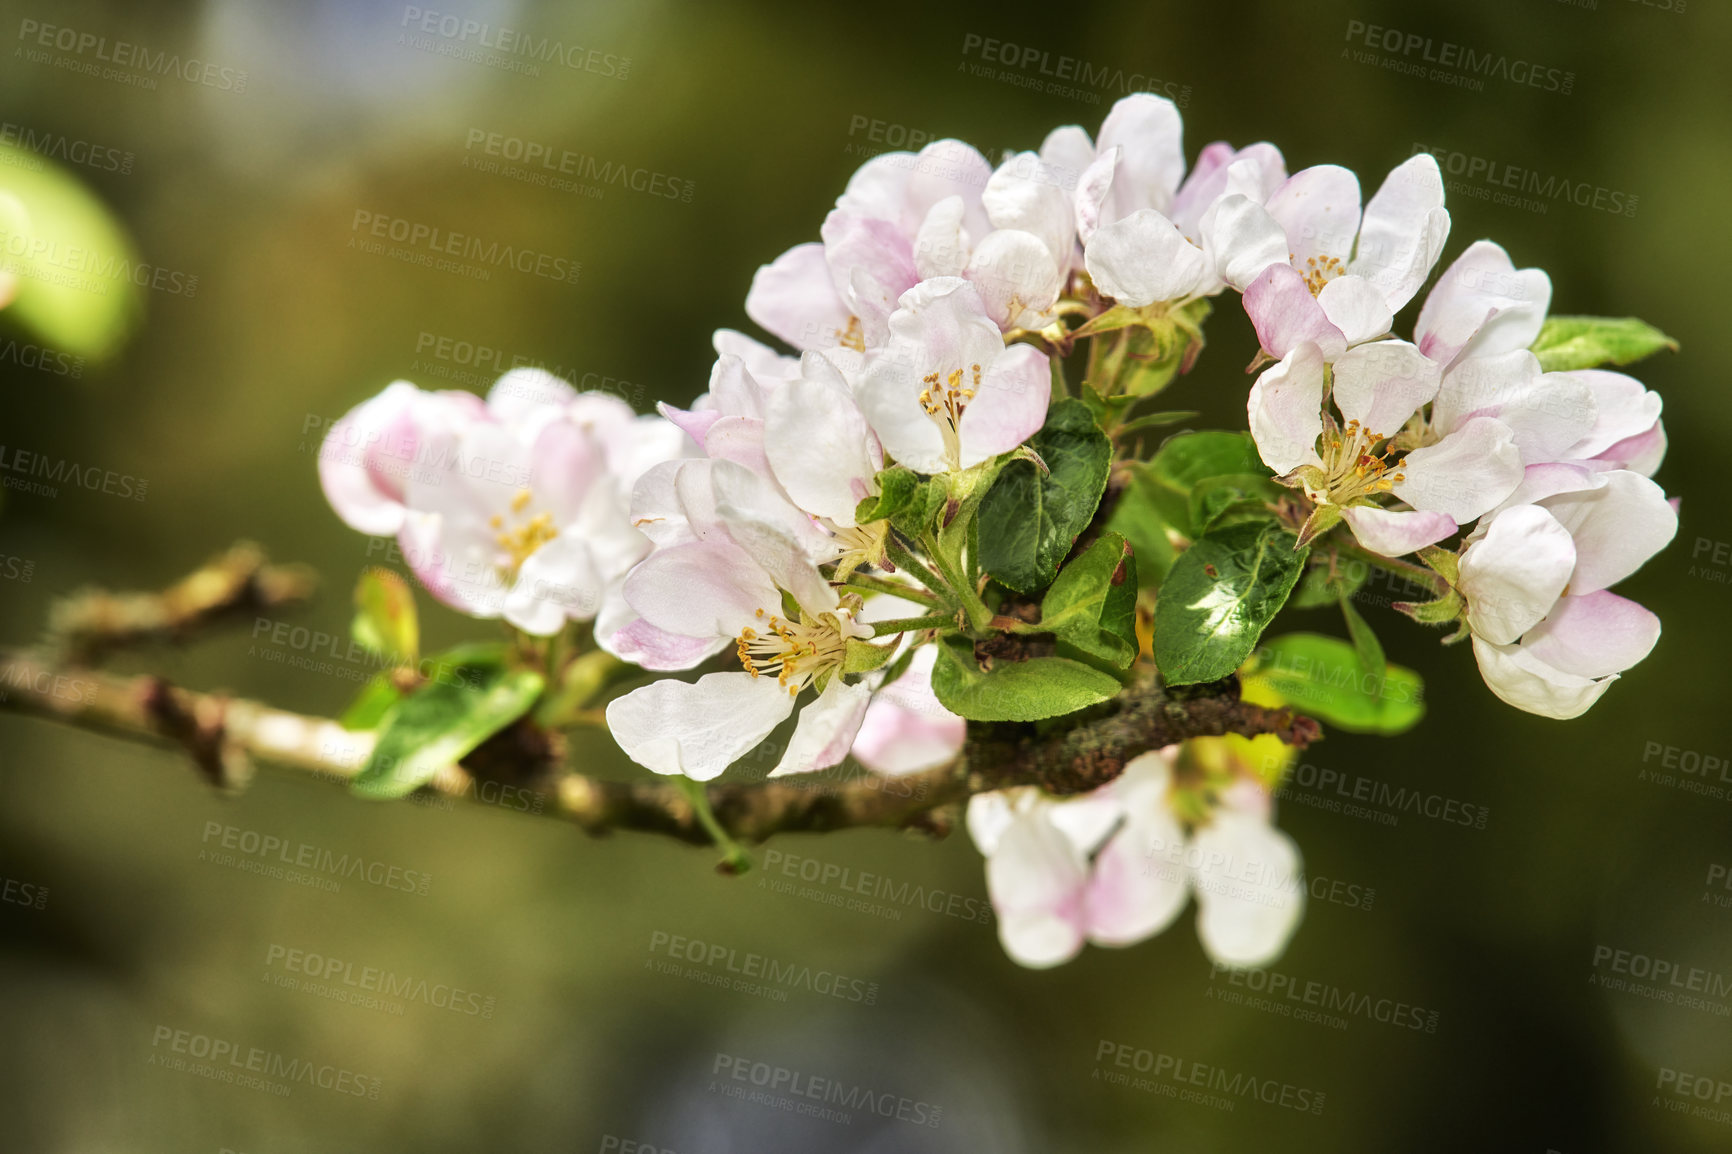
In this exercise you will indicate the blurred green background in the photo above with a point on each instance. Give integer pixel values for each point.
(765, 109)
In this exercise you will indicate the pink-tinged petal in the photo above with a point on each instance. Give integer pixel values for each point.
(556, 583)
(1036, 878)
(819, 446)
(1016, 276)
(990, 814)
(942, 169)
(644, 645)
(1143, 258)
(1594, 635)
(698, 729)
(1356, 307)
(1150, 132)
(739, 440)
(1285, 314)
(1623, 408)
(1525, 681)
(1481, 306)
(1254, 172)
(1617, 527)
(1067, 150)
(369, 456)
(1319, 209)
(1464, 475)
(1403, 230)
(1092, 190)
(825, 730)
(641, 443)
(763, 362)
(1549, 479)
(906, 729)
(1285, 410)
(879, 188)
(733, 389)
(1240, 240)
(1513, 575)
(755, 512)
(1392, 532)
(877, 250)
(1250, 892)
(695, 423)
(1639, 454)
(1382, 384)
(704, 589)
(1547, 413)
(1010, 406)
(420, 540)
(565, 465)
(1140, 882)
(1026, 196)
(941, 246)
(795, 298)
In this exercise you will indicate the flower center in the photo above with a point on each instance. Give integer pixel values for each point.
(944, 402)
(1319, 271)
(860, 545)
(1354, 466)
(852, 337)
(523, 535)
(795, 652)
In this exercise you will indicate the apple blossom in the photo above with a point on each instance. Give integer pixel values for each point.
(1481, 306)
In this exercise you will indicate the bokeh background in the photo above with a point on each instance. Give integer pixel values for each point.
(763, 109)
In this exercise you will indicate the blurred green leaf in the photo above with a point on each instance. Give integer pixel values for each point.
(1567, 343)
(1325, 677)
(385, 621)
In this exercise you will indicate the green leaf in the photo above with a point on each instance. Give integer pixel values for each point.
(1322, 676)
(896, 486)
(1365, 642)
(863, 657)
(1567, 343)
(1214, 498)
(1139, 522)
(1188, 458)
(1029, 519)
(439, 723)
(1317, 588)
(78, 272)
(1157, 420)
(1092, 605)
(1222, 593)
(1016, 690)
(385, 620)
(371, 704)
(916, 517)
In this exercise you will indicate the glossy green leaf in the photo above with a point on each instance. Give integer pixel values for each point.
(1016, 690)
(439, 723)
(896, 486)
(1323, 676)
(1230, 495)
(1221, 594)
(1567, 343)
(1029, 519)
(1092, 604)
(918, 515)
(1188, 458)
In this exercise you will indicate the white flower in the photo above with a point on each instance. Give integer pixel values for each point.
(1481, 306)
(1548, 634)
(945, 393)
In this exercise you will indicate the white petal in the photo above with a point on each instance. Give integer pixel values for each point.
(1403, 230)
(1140, 881)
(1382, 384)
(825, 730)
(1285, 410)
(1150, 132)
(1481, 306)
(697, 729)
(1009, 407)
(941, 247)
(1144, 258)
(1547, 413)
(1394, 532)
(1025, 195)
(1285, 314)
(1249, 894)
(1036, 878)
(703, 589)
(1355, 306)
(1092, 190)
(1617, 527)
(1464, 475)
(1240, 239)
(906, 729)
(1523, 680)
(795, 298)
(1623, 408)
(557, 582)
(819, 447)
(1594, 635)
(1514, 573)
(1016, 276)
(1319, 209)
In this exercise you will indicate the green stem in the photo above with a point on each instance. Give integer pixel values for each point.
(979, 616)
(909, 624)
(908, 563)
(735, 859)
(866, 583)
(1416, 573)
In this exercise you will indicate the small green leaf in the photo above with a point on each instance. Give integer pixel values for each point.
(1567, 343)
(1221, 594)
(1016, 690)
(371, 704)
(896, 486)
(1214, 498)
(1092, 604)
(917, 516)
(1323, 676)
(385, 621)
(1189, 458)
(863, 657)
(1029, 519)
(1365, 642)
(439, 723)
